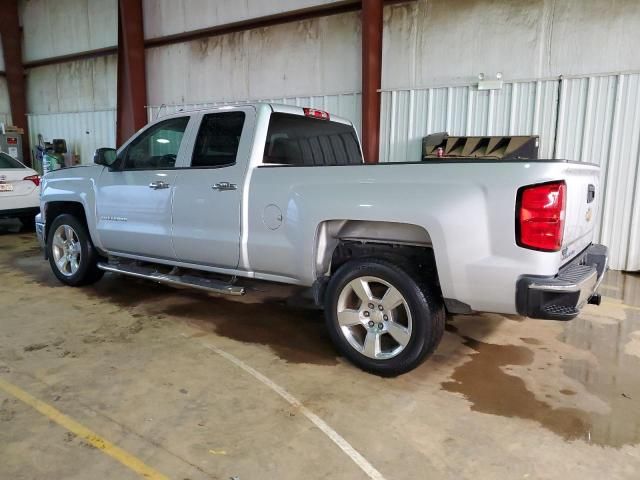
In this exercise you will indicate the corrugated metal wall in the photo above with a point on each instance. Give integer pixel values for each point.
(83, 131)
(597, 120)
(518, 109)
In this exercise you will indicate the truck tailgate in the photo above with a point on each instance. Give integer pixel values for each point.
(581, 208)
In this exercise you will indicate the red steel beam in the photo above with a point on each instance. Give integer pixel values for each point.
(132, 83)
(72, 57)
(371, 78)
(14, 71)
(334, 8)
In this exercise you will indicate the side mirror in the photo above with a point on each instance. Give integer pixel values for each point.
(105, 156)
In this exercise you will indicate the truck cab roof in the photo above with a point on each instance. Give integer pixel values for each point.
(273, 107)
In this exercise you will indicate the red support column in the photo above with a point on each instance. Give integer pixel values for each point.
(132, 83)
(371, 78)
(12, 49)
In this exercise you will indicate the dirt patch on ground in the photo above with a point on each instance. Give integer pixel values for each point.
(295, 335)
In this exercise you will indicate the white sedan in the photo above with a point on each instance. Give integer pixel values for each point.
(19, 191)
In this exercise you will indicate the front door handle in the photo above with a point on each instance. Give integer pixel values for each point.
(224, 186)
(158, 185)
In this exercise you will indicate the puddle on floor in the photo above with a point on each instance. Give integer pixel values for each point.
(612, 375)
(490, 390)
(295, 335)
(622, 286)
(615, 376)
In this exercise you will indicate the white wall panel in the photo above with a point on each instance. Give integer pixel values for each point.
(83, 85)
(62, 27)
(444, 42)
(302, 58)
(83, 131)
(594, 36)
(167, 17)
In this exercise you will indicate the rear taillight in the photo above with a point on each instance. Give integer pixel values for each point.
(33, 178)
(312, 112)
(540, 216)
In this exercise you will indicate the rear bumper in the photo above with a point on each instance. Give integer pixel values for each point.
(562, 296)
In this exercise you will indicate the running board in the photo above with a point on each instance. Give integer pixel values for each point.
(190, 281)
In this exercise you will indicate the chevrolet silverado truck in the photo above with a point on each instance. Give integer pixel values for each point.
(280, 193)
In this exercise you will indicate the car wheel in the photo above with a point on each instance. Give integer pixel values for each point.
(381, 318)
(71, 253)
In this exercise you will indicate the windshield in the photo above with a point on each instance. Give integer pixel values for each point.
(9, 162)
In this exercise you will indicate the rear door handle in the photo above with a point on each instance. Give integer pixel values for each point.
(224, 186)
(158, 185)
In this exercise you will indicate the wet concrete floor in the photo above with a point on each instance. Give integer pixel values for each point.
(503, 396)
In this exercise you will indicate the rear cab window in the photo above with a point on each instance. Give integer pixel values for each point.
(7, 161)
(305, 141)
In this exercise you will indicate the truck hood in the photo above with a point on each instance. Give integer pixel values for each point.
(74, 172)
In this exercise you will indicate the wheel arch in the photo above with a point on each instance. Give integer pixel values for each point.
(338, 241)
(56, 208)
(332, 234)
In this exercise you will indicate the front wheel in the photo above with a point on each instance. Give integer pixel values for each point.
(71, 253)
(382, 318)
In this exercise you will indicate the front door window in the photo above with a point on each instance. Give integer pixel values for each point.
(157, 148)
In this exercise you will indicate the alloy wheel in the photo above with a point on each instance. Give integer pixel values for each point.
(374, 317)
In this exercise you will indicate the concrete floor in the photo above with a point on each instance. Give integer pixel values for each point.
(151, 369)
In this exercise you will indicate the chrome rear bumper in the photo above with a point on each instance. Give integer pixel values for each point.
(561, 297)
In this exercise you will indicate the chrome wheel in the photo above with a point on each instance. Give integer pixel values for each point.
(374, 317)
(66, 250)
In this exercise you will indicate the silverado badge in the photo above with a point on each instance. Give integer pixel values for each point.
(588, 215)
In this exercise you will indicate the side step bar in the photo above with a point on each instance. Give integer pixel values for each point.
(190, 281)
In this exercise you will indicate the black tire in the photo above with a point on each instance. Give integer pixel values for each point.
(88, 271)
(422, 299)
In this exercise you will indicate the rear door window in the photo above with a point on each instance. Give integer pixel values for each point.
(305, 141)
(218, 140)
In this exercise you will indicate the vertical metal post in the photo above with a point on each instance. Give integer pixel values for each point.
(371, 78)
(11, 35)
(132, 82)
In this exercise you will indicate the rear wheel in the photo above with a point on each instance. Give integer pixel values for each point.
(71, 253)
(382, 318)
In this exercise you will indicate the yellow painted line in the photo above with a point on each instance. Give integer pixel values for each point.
(81, 431)
(218, 452)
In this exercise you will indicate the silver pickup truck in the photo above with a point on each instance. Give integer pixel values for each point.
(281, 193)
